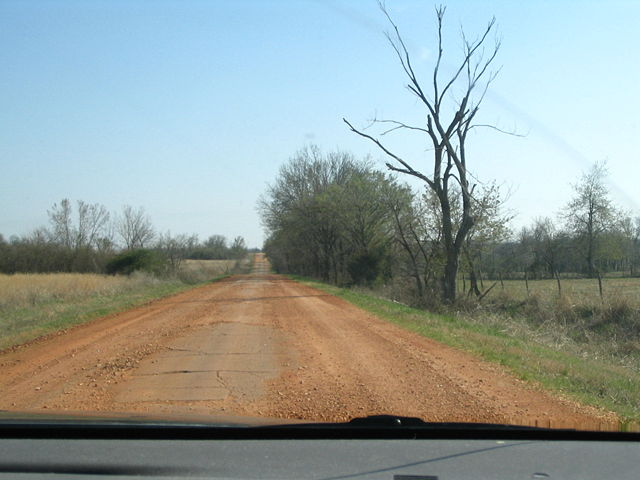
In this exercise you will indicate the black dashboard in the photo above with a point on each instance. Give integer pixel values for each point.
(47, 450)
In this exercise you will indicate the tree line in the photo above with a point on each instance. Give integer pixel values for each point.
(326, 216)
(590, 236)
(86, 237)
(337, 218)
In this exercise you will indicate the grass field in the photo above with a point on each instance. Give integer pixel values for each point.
(609, 324)
(29, 290)
(581, 290)
(556, 362)
(32, 305)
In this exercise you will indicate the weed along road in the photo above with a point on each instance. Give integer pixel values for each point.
(262, 345)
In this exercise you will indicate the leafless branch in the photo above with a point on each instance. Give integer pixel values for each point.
(493, 127)
(405, 60)
(407, 168)
(440, 11)
(471, 50)
(399, 125)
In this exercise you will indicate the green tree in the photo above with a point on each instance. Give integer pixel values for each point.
(238, 248)
(326, 216)
(590, 213)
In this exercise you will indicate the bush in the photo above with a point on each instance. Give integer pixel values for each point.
(137, 260)
(365, 268)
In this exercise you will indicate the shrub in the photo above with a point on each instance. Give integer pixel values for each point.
(137, 260)
(365, 268)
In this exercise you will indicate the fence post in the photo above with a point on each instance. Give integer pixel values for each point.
(559, 286)
(600, 286)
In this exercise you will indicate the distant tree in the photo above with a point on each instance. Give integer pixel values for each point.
(60, 217)
(5, 255)
(217, 242)
(546, 243)
(448, 123)
(590, 213)
(238, 248)
(134, 228)
(175, 248)
(630, 232)
(298, 213)
(215, 247)
(326, 216)
(33, 253)
(491, 226)
(79, 234)
(90, 225)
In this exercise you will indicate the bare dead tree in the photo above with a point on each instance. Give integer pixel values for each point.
(91, 224)
(62, 223)
(134, 228)
(175, 248)
(79, 238)
(447, 127)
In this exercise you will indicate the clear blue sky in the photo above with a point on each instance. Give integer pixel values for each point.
(188, 108)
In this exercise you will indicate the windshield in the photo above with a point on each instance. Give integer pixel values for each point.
(319, 211)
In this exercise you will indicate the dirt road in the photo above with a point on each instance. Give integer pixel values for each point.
(261, 345)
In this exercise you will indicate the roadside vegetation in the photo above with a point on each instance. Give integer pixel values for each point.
(87, 238)
(89, 262)
(32, 305)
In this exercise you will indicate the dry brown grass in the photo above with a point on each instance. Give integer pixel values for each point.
(217, 267)
(579, 320)
(36, 304)
(24, 290)
(580, 290)
(192, 271)
(32, 305)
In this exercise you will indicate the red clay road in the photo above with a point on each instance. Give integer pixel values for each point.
(262, 345)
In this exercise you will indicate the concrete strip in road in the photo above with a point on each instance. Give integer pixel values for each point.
(209, 363)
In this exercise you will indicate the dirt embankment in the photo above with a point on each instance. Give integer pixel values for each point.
(261, 345)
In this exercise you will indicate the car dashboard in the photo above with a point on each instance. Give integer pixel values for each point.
(373, 449)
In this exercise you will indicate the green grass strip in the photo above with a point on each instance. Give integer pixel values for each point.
(589, 381)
